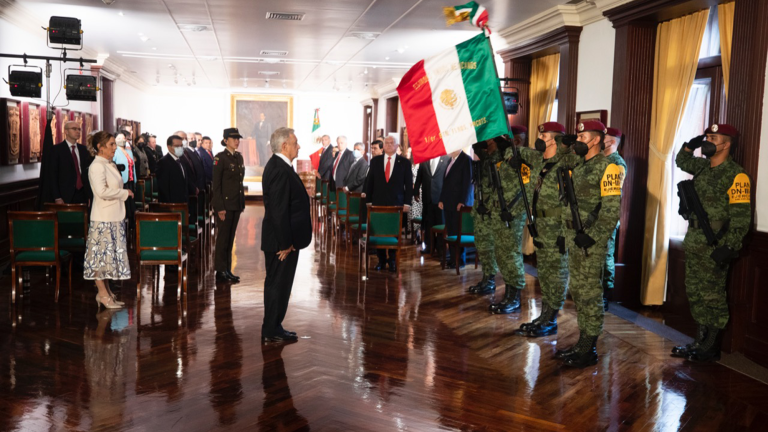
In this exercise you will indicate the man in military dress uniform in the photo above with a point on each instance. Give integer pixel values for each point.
(551, 251)
(723, 188)
(228, 200)
(612, 142)
(597, 187)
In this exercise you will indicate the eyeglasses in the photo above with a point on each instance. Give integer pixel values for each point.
(77, 129)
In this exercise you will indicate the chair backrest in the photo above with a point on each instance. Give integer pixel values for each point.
(331, 196)
(140, 194)
(324, 192)
(158, 231)
(37, 231)
(179, 208)
(73, 219)
(318, 184)
(355, 199)
(149, 186)
(341, 198)
(202, 200)
(385, 221)
(466, 222)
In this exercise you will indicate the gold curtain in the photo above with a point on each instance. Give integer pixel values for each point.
(725, 19)
(544, 79)
(677, 56)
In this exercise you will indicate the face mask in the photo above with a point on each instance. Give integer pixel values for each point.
(540, 145)
(357, 154)
(120, 142)
(581, 148)
(193, 143)
(178, 151)
(184, 143)
(708, 149)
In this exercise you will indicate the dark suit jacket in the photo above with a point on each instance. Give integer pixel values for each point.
(287, 221)
(64, 176)
(326, 163)
(173, 185)
(356, 177)
(263, 133)
(159, 151)
(456, 184)
(342, 169)
(207, 164)
(396, 192)
(197, 165)
(432, 183)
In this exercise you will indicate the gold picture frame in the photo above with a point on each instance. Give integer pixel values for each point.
(245, 114)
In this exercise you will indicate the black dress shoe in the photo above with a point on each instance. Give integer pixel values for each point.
(424, 251)
(233, 276)
(392, 267)
(222, 277)
(283, 338)
(289, 333)
(380, 266)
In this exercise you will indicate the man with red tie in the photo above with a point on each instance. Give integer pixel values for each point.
(389, 183)
(70, 168)
(204, 151)
(341, 165)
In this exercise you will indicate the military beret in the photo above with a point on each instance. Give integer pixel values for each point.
(723, 129)
(591, 126)
(552, 127)
(517, 130)
(613, 132)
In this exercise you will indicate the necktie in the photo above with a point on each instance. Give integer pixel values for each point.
(336, 164)
(449, 167)
(181, 165)
(79, 181)
(386, 169)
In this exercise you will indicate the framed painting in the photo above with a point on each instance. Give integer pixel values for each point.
(10, 132)
(257, 116)
(87, 127)
(601, 115)
(64, 119)
(33, 139)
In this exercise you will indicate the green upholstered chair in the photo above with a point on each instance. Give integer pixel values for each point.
(413, 221)
(190, 235)
(159, 239)
(197, 221)
(383, 232)
(317, 196)
(330, 206)
(323, 197)
(203, 216)
(340, 215)
(148, 188)
(139, 196)
(73, 225)
(155, 193)
(354, 225)
(436, 231)
(466, 237)
(34, 242)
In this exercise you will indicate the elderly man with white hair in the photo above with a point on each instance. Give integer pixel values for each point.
(341, 164)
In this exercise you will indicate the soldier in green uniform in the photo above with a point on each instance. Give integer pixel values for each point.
(483, 233)
(612, 142)
(228, 200)
(551, 251)
(597, 187)
(723, 189)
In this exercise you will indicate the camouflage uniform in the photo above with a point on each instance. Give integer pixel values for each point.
(484, 231)
(724, 192)
(609, 271)
(589, 183)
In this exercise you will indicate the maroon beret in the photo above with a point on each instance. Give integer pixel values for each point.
(614, 132)
(591, 126)
(723, 129)
(552, 127)
(517, 130)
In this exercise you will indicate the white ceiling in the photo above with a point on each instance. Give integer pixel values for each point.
(322, 54)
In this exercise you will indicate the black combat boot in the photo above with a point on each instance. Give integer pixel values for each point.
(483, 282)
(524, 327)
(709, 349)
(584, 353)
(546, 326)
(565, 353)
(487, 288)
(510, 303)
(682, 351)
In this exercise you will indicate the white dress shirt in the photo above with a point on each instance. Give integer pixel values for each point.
(173, 155)
(433, 164)
(285, 159)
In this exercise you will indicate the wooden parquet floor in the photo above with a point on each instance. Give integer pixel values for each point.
(412, 352)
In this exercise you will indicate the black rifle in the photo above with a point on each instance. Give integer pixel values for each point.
(568, 194)
(506, 216)
(528, 213)
(690, 204)
(477, 180)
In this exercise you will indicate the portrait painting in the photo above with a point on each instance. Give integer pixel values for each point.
(10, 132)
(32, 131)
(256, 117)
(62, 121)
(87, 127)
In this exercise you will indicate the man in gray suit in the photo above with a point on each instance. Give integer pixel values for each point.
(263, 131)
(429, 178)
(341, 164)
(356, 176)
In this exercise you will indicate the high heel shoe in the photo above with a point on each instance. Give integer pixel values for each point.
(107, 302)
(114, 298)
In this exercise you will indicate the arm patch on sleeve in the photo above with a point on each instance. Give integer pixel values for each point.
(612, 181)
(739, 192)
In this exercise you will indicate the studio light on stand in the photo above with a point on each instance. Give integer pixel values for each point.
(81, 87)
(511, 100)
(65, 31)
(27, 82)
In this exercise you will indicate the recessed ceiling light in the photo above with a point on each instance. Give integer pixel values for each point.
(386, 58)
(154, 48)
(365, 35)
(195, 27)
(269, 73)
(401, 49)
(121, 13)
(366, 70)
(144, 38)
(285, 16)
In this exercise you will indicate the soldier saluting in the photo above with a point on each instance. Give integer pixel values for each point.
(719, 212)
(228, 200)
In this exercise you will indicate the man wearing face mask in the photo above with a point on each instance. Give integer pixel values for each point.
(597, 187)
(356, 176)
(723, 188)
(613, 140)
(124, 157)
(551, 251)
(174, 184)
(192, 161)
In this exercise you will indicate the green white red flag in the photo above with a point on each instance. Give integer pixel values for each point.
(471, 12)
(451, 100)
(316, 121)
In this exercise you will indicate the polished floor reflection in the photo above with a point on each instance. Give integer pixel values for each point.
(408, 353)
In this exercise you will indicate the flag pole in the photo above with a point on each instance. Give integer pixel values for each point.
(529, 215)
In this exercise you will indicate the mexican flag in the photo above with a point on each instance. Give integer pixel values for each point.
(471, 12)
(452, 100)
(315, 159)
(316, 122)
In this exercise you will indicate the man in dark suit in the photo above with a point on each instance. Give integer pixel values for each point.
(204, 151)
(429, 178)
(286, 228)
(326, 159)
(70, 168)
(174, 183)
(341, 164)
(158, 149)
(389, 183)
(262, 131)
(357, 172)
(456, 194)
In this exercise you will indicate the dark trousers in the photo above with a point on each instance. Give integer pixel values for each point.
(79, 197)
(432, 215)
(452, 228)
(382, 254)
(225, 240)
(277, 291)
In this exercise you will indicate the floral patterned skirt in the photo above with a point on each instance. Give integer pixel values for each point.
(106, 254)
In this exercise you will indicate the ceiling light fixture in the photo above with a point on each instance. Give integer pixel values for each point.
(386, 58)
(366, 70)
(285, 16)
(365, 35)
(120, 13)
(266, 83)
(197, 28)
(144, 38)
(109, 2)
